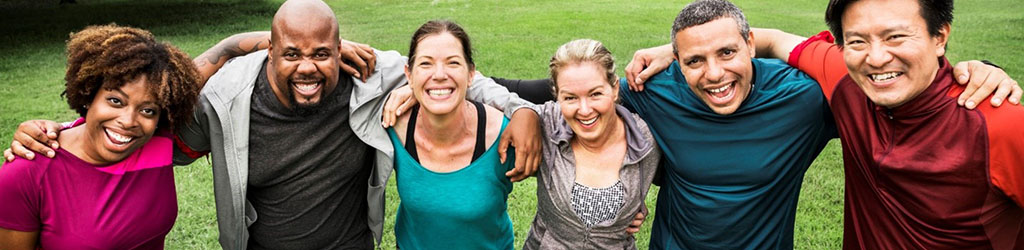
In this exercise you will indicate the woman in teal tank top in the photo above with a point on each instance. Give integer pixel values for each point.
(450, 180)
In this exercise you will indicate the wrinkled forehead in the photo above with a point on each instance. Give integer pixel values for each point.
(304, 32)
(709, 37)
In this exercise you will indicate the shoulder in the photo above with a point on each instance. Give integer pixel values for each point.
(237, 74)
(777, 72)
(22, 171)
(495, 124)
(670, 75)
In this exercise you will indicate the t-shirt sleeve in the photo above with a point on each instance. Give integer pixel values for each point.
(822, 59)
(20, 196)
(1006, 150)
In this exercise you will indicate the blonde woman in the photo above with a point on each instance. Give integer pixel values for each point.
(599, 159)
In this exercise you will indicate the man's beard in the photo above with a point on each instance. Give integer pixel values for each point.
(308, 109)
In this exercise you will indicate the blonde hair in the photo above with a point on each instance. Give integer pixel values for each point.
(581, 51)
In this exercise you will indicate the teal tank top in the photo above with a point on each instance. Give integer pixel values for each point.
(464, 209)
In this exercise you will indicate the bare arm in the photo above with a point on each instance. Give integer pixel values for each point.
(235, 45)
(773, 43)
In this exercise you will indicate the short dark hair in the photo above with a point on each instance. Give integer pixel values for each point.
(704, 11)
(110, 56)
(936, 13)
(434, 27)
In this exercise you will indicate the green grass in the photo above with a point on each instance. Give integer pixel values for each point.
(511, 39)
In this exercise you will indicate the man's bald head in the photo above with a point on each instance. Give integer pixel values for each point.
(303, 18)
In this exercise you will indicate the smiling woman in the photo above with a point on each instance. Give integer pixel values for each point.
(110, 186)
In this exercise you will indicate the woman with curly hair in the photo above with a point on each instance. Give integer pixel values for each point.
(110, 185)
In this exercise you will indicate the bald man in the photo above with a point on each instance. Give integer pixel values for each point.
(300, 159)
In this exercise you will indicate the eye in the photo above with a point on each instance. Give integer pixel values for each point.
(148, 112)
(692, 62)
(115, 101)
(322, 55)
(596, 94)
(291, 55)
(728, 52)
(568, 98)
(896, 37)
(454, 63)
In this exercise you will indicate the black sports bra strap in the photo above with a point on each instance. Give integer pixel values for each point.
(410, 140)
(481, 130)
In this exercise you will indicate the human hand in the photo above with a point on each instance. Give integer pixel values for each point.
(399, 101)
(359, 54)
(523, 133)
(34, 136)
(982, 79)
(638, 221)
(647, 63)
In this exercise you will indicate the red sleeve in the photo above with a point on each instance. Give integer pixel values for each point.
(1006, 149)
(820, 58)
(20, 196)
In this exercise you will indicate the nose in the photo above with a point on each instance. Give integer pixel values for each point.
(440, 74)
(714, 72)
(127, 119)
(306, 66)
(585, 108)
(878, 56)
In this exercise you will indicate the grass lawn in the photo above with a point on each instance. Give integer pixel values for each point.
(512, 39)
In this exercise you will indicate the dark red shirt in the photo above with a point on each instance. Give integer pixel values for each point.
(928, 174)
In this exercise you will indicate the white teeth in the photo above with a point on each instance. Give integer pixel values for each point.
(119, 137)
(439, 92)
(719, 90)
(588, 122)
(306, 86)
(884, 77)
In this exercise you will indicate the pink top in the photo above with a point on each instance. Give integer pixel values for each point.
(76, 205)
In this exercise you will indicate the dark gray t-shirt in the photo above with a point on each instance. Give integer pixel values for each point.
(307, 174)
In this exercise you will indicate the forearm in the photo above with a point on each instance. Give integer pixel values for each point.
(486, 91)
(235, 45)
(773, 43)
(537, 91)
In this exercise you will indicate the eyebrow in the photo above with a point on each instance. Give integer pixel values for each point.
(886, 31)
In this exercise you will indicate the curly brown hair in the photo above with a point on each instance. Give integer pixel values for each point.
(108, 56)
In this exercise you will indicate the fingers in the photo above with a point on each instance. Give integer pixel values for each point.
(398, 102)
(633, 69)
(962, 77)
(634, 226)
(1015, 96)
(366, 52)
(503, 148)
(8, 156)
(1002, 92)
(984, 85)
(351, 71)
(654, 68)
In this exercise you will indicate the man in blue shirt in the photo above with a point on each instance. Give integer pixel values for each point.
(738, 134)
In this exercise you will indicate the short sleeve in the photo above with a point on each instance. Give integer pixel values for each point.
(20, 196)
(820, 58)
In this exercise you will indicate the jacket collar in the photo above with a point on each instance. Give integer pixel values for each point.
(930, 100)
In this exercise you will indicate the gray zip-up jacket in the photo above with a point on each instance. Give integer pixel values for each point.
(556, 225)
(221, 127)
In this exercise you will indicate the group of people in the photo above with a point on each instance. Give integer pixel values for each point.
(302, 143)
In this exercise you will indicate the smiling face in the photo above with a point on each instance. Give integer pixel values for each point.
(716, 62)
(587, 100)
(120, 121)
(303, 63)
(439, 74)
(888, 50)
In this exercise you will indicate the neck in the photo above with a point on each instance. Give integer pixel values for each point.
(272, 81)
(612, 134)
(445, 129)
(77, 142)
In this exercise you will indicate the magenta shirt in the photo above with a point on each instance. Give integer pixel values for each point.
(76, 205)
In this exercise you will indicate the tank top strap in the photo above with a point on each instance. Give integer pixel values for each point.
(410, 140)
(481, 130)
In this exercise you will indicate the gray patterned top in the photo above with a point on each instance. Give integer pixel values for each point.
(594, 205)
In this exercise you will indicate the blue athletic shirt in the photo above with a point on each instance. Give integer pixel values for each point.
(732, 181)
(463, 209)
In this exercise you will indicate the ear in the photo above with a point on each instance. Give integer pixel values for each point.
(270, 51)
(750, 44)
(408, 80)
(615, 89)
(941, 40)
(472, 74)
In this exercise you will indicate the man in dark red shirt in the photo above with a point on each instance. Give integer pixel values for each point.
(921, 171)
